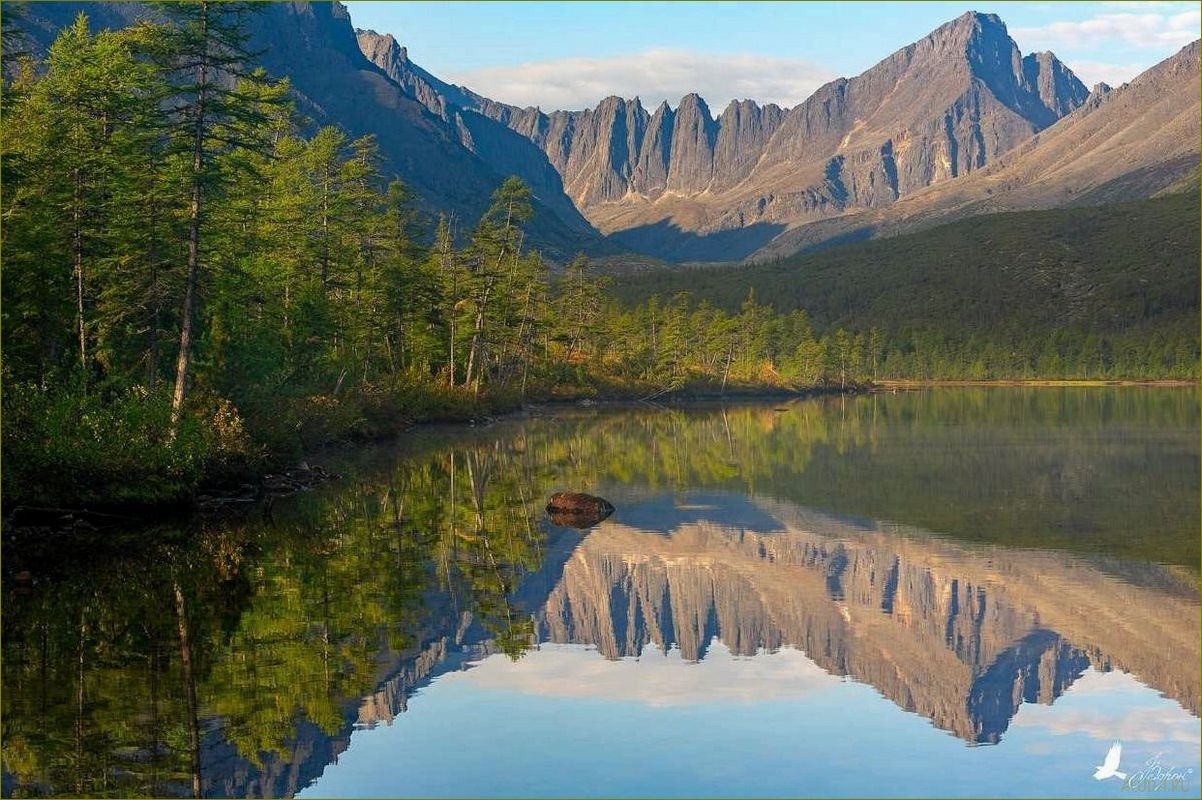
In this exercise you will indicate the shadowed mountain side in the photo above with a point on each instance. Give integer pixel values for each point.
(504, 150)
(667, 240)
(314, 45)
(1172, 176)
(1123, 144)
(959, 634)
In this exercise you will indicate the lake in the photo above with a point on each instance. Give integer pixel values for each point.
(953, 592)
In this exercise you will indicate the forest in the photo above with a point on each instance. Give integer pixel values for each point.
(197, 282)
(1075, 293)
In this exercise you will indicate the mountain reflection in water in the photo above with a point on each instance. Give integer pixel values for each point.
(745, 539)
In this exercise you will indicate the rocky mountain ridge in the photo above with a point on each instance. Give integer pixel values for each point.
(957, 123)
(1135, 141)
(680, 182)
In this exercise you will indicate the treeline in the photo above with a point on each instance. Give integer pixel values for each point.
(196, 280)
(1102, 292)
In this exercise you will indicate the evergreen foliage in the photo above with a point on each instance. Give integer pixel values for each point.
(1085, 293)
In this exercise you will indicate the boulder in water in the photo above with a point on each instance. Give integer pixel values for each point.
(577, 510)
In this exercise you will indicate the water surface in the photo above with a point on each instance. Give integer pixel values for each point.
(956, 592)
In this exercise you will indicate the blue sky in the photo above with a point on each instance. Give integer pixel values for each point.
(570, 55)
(563, 721)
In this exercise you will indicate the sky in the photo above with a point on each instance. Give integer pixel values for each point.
(571, 55)
(562, 721)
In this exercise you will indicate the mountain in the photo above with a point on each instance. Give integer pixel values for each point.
(957, 124)
(682, 185)
(314, 45)
(504, 150)
(1136, 141)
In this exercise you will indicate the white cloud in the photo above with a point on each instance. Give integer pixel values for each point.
(655, 679)
(1111, 712)
(1093, 72)
(653, 75)
(1138, 725)
(1163, 32)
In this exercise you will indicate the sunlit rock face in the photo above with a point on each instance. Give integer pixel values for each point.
(958, 635)
(938, 109)
(958, 123)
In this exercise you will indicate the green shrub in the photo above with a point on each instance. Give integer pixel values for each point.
(73, 449)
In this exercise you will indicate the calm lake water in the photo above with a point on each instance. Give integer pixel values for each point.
(955, 592)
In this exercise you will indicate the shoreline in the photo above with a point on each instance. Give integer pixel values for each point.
(215, 494)
(1037, 383)
(243, 490)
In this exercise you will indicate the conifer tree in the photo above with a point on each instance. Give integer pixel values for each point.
(496, 246)
(212, 110)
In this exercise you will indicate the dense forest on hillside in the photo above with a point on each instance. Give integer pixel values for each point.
(1105, 292)
(196, 282)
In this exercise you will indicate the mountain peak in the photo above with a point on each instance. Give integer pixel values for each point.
(969, 26)
(1058, 88)
(979, 20)
(740, 105)
(693, 102)
(380, 47)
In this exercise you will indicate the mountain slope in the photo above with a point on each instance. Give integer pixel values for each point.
(1119, 268)
(679, 184)
(957, 124)
(1132, 142)
(504, 150)
(314, 45)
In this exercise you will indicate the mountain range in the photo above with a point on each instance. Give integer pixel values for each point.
(956, 124)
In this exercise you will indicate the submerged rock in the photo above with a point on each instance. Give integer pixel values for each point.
(577, 510)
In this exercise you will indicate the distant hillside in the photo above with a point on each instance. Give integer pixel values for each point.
(1121, 269)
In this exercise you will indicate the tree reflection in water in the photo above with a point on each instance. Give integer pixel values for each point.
(234, 656)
